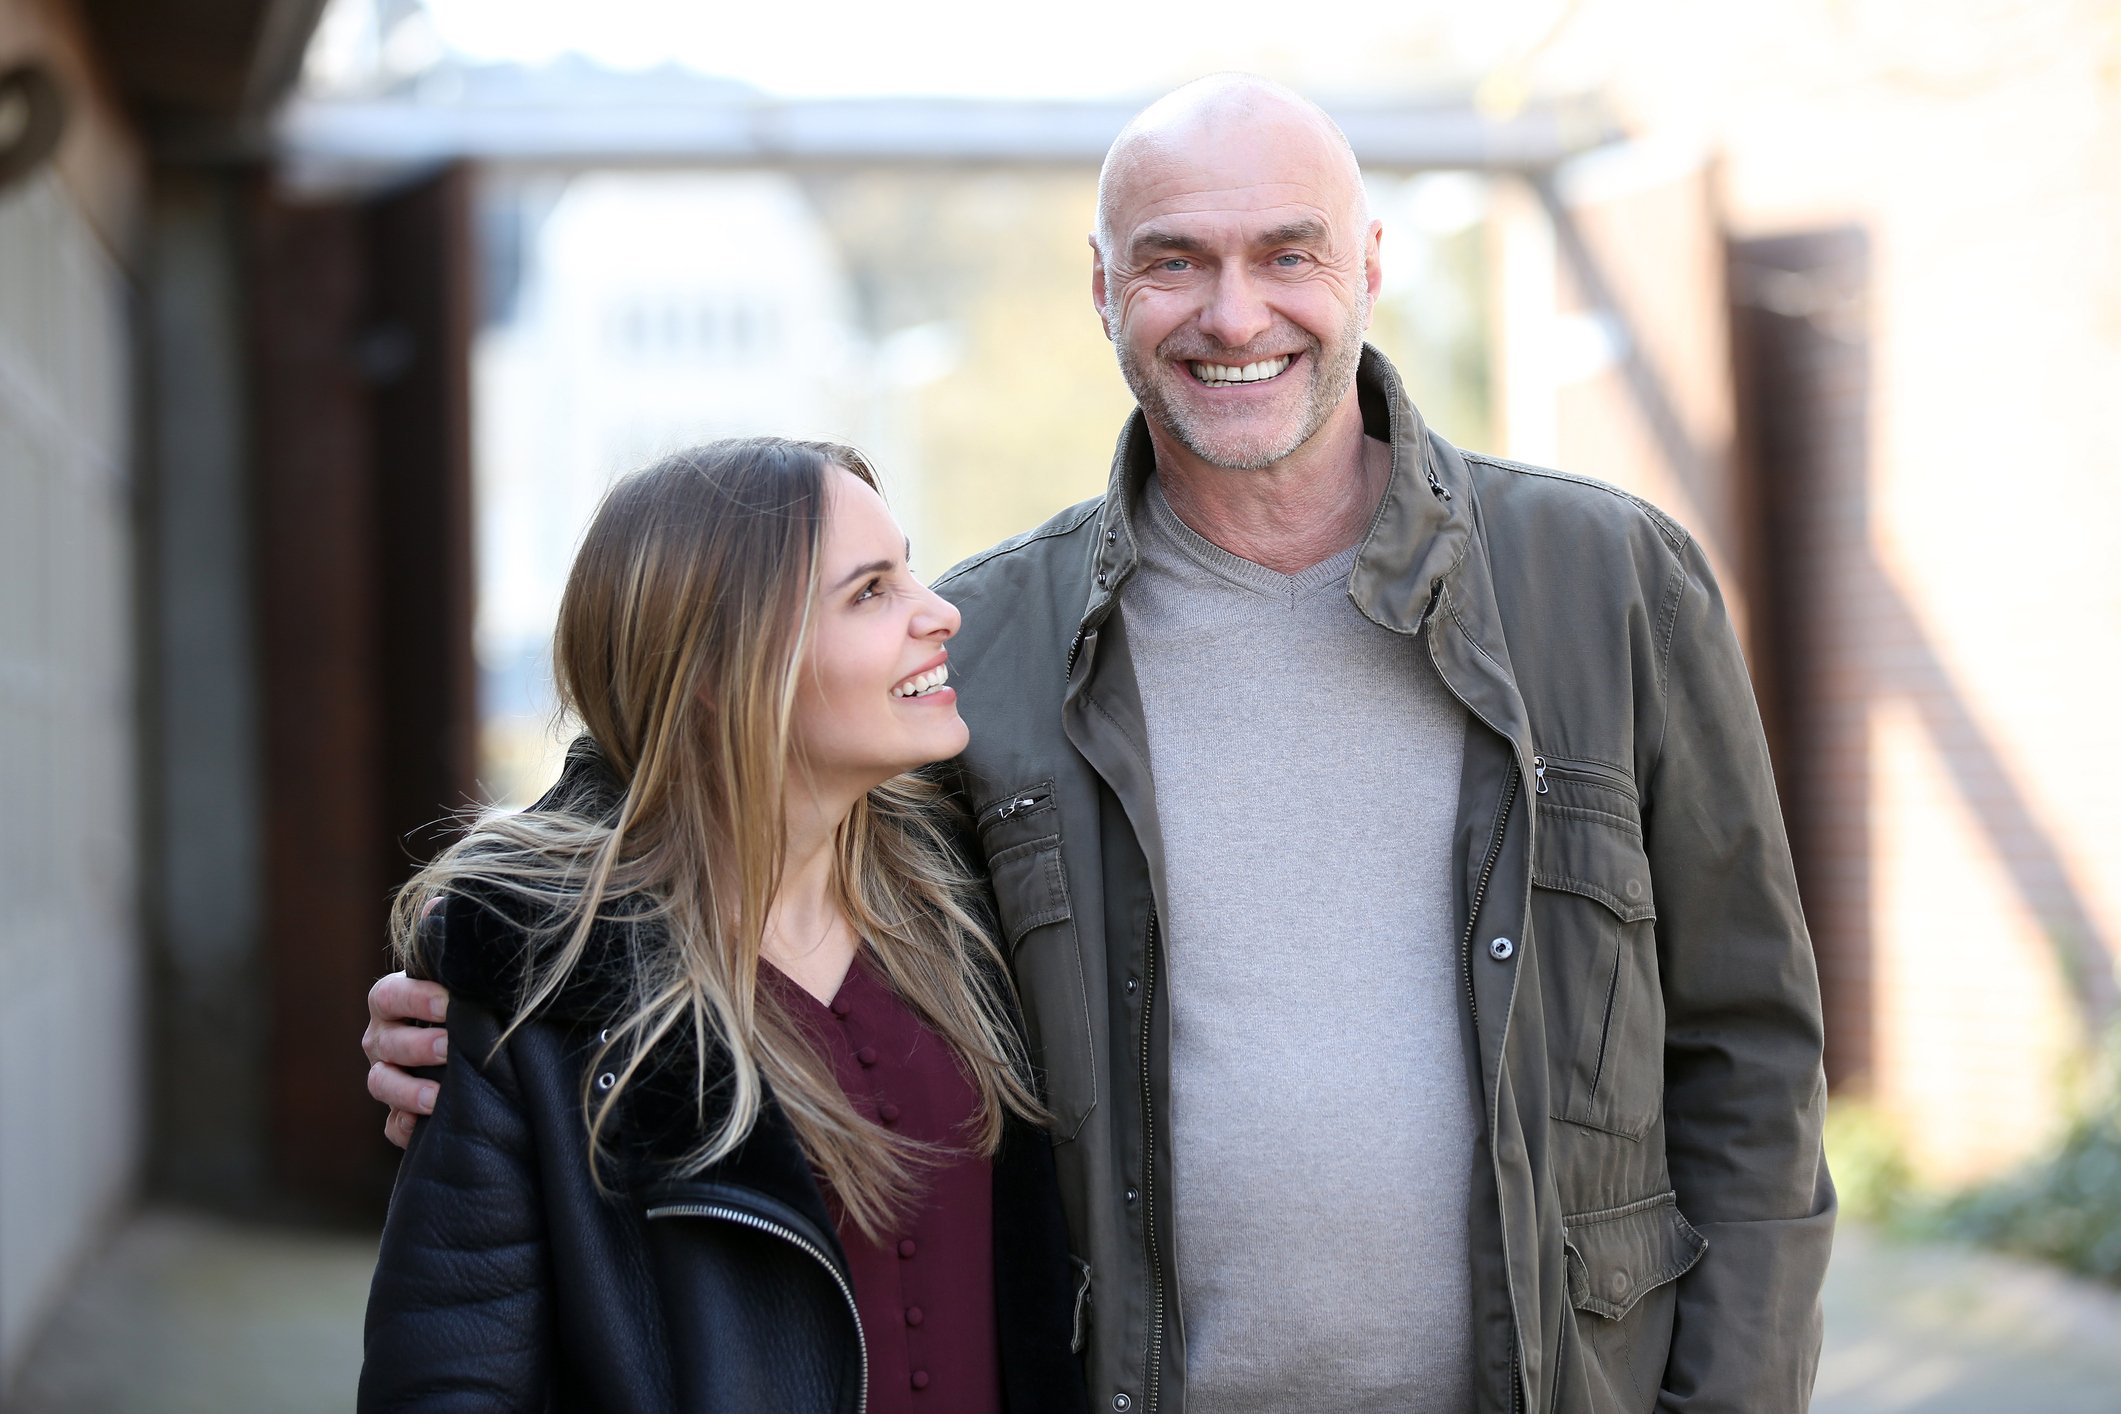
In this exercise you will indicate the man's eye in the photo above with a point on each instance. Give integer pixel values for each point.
(1289, 259)
(1175, 264)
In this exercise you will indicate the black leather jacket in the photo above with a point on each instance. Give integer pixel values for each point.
(506, 1281)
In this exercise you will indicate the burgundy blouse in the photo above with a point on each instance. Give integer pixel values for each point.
(926, 1292)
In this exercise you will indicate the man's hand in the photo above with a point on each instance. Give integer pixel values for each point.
(393, 1043)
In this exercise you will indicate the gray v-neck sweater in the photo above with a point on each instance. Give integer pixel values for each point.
(1323, 1116)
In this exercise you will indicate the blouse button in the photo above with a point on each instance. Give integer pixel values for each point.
(840, 1010)
(906, 1247)
(887, 1112)
(866, 1055)
(915, 1315)
(920, 1379)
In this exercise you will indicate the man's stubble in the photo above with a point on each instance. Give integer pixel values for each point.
(1328, 385)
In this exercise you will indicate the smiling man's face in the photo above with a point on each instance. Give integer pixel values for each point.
(1236, 272)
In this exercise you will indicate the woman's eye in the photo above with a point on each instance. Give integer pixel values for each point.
(869, 591)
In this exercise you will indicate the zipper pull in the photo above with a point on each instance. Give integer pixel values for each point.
(1009, 808)
(1539, 771)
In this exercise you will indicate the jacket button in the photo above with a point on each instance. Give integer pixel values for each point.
(887, 1112)
(915, 1315)
(1112, 537)
(1618, 1284)
(1501, 949)
(1133, 985)
(906, 1247)
(1122, 1402)
(920, 1379)
(604, 1036)
(866, 1055)
(1133, 1194)
(606, 1080)
(1103, 579)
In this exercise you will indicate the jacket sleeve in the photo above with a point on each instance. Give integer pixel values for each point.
(1745, 1095)
(460, 1311)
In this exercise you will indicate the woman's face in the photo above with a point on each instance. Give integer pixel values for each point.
(871, 700)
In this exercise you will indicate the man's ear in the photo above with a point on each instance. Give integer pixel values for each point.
(1373, 270)
(1097, 286)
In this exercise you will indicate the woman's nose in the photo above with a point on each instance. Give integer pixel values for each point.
(938, 618)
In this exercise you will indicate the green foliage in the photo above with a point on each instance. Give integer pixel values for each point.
(2065, 1208)
(1869, 1163)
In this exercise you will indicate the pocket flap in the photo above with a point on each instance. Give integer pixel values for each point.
(1595, 855)
(1618, 1254)
(1030, 887)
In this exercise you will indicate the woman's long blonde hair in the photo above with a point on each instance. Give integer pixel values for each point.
(679, 645)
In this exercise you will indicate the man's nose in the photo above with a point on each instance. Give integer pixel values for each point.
(1235, 314)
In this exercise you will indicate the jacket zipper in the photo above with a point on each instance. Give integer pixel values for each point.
(1487, 868)
(1586, 770)
(1013, 805)
(1155, 1371)
(1480, 890)
(752, 1220)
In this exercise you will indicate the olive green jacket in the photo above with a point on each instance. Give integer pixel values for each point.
(1639, 984)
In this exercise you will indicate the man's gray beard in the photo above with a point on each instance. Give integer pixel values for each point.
(1329, 384)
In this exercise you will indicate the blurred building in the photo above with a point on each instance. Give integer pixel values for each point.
(626, 324)
(71, 1096)
(234, 532)
(1851, 307)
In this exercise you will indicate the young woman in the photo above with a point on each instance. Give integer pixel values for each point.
(736, 1115)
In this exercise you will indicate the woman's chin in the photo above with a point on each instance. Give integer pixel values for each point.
(938, 739)
(953, 736)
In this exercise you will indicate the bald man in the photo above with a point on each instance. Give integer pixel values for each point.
(1387, 853)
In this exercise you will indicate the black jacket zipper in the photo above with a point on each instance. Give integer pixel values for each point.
(745, 1218)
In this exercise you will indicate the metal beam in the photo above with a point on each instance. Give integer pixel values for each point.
(320, 137)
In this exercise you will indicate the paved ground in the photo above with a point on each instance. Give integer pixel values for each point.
(194, 1315)
(1945, 1330)
(187, 1314)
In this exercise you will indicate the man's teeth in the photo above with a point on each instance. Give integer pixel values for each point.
(1217, 375)
(926, 683)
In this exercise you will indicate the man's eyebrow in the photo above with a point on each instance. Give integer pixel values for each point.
(1299, 232)
(1302, 231)
(1154, 240)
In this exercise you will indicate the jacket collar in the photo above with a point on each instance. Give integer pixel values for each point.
(483, 956)
(1423, 562)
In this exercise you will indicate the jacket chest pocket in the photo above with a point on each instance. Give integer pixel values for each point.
(1594, 917)
(1020, 836)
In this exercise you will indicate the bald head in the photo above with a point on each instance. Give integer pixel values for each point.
(1229, 130)
(1234, 267)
